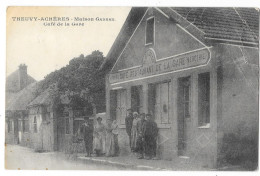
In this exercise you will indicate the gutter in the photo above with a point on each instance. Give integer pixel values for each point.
(239, 42)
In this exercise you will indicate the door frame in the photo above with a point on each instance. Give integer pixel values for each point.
(182, 120)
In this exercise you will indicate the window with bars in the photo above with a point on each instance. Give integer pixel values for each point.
(204, 99)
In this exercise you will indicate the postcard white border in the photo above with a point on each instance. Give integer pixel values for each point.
(5, 3)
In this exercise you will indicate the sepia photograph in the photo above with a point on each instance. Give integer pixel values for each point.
(132, 88)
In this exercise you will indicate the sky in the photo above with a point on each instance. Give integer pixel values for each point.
(45, 47)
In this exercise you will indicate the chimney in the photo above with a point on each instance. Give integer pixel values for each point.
(22, 76)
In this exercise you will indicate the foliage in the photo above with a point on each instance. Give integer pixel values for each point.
(81, 73)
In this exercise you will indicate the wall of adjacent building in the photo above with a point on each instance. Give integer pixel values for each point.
(9, 135)
(43, 139)
(238, 97)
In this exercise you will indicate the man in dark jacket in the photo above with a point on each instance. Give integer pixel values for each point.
(140, 137)
(87, 131)
(128, 123)
(150, 132)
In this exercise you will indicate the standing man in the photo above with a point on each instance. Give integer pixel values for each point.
(140, 136)
(128, 123)
(87, 130)
(150, 132)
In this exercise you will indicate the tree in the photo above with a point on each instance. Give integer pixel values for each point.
(80, 83)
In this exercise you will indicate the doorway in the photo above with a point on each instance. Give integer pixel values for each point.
(137, 99)
(184, 118)
(60, 134)
(20, 128)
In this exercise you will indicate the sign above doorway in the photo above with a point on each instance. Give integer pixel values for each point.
(152, 67)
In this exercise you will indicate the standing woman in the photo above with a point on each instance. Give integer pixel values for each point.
(115, 133)
(110, 142)
(134, 133)
(99, 137)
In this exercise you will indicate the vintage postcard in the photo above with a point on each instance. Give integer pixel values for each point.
(132, 88)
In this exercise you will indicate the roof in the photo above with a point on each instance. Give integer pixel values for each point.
(241, 24)
(12, 81)
(42, 99)
(20, 100)
(219, 24)
(134, 17)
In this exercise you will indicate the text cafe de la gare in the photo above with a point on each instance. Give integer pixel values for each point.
(183, 80)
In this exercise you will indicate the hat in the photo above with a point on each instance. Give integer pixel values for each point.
(142, 114)
(99, 118)
(148, 115)
(135, 113)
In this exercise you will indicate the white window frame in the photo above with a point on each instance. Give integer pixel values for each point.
(152, 17)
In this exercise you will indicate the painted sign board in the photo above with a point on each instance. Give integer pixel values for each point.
(151, 66)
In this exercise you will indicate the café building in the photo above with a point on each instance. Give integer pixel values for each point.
(194, 69)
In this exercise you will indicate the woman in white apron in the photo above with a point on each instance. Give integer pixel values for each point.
(99, 137)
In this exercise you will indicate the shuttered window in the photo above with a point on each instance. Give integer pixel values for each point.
(159, 102)
(204, 98)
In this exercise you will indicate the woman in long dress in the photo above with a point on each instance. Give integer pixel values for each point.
(134, 134)
(99, 137)
(115, 133)
(110, 140)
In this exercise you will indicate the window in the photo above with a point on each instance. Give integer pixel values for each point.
(158, 101)
(20, 125)
(10, 126)
(204, 99)
(185, 86)
(121, 106)
(67, 125)
(149, 39)
(35, 130)
(25, 125)
(113, 102)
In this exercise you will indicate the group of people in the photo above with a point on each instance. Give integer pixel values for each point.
(101, 139)
(142, 132)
